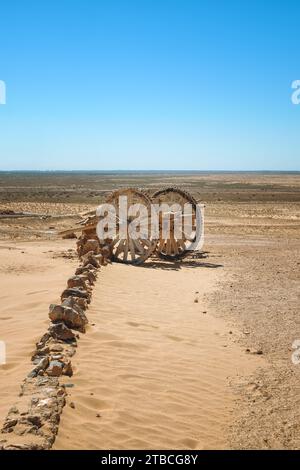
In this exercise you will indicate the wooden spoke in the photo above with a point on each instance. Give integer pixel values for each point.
(115, 241)
(174, 246)
(132, 249)
(138, 246)
(120, 247)
(125, 251)
(161, 245)
(168, 247)
(146, 242)
(190, 236)
(180, 244)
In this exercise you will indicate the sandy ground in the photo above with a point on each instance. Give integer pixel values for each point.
(31, 276)
(153, 369)
(155, 366)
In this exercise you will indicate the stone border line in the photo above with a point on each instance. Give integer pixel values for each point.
(32, 423)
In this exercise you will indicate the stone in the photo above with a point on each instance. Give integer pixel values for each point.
(91, 276)
(8, 424)
(82, 303)
(75, 292)
(90, 258)
(56, 357)
(41, 344)
(103, 261)
(36, 420)
(13, 410)
(72, 317)
(71, 350)
(31, 446)
(72, 302)
(88, 277)
(84, 269)
(69, 235)
(40, 352)
(56, 347)
(61, 331)
(259, 352)
(55, 369)
(106, 251)
(90, 245)
(76, 281)
(67, 369)
(42, 365)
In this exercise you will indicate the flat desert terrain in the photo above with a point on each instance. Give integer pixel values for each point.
(194, 354)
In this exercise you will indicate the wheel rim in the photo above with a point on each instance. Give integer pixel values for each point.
(176, 247)
(131, 250)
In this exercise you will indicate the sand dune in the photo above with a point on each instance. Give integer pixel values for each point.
(153, 370)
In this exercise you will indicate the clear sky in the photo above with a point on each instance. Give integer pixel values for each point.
(149, 84)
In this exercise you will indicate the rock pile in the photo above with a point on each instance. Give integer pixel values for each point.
(88, 243)
(32, 423)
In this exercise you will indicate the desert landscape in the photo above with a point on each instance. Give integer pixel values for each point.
(192, 354)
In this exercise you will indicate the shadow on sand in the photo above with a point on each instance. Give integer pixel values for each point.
(193, 261)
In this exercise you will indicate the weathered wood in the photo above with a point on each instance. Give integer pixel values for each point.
(173, 247)
(137, 251)
(132, 251)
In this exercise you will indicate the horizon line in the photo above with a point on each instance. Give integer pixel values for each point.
(143, 171)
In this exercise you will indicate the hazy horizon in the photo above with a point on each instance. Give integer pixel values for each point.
(128, 171)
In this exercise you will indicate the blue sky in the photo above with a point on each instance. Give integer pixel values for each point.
(161, 84)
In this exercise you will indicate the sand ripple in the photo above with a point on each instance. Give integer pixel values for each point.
(153, 370)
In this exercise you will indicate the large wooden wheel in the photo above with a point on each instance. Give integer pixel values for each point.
(132, 249)
(176, 245)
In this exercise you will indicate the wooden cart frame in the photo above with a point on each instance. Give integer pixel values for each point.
(135, 250)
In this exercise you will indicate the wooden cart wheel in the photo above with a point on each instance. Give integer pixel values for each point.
(132, 250)
(175, 247)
